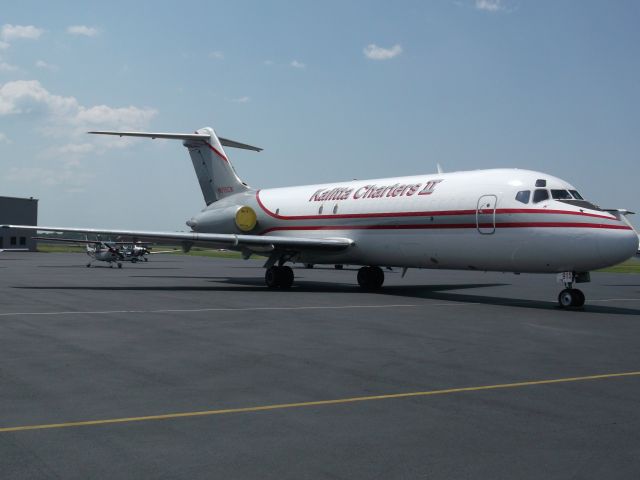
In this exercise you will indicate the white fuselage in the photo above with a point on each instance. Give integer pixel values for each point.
(103, 254)
(461, 220)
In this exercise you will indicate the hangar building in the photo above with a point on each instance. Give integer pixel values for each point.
(18, 211)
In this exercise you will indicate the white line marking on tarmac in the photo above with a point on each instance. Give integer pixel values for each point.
(247, 309)
(616, 300)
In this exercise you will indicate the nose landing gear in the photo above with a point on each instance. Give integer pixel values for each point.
(572, 297)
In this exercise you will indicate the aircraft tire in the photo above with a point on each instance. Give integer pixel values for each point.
(287, 276)
(88, 265)
(279, 277)
(370, 278)
(580, 298)
(119, 265)
(571, 297)
(338, 267)
(272, 277)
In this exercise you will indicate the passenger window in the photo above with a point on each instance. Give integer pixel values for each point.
(540, 195)
(523, 196)
(576, 195)
(560, 195)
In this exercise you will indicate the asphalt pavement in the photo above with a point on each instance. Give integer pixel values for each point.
(189, 367)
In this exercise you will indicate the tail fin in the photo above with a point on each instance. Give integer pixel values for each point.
(216, 175)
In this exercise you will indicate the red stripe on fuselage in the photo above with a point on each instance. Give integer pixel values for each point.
(438, 213)
(450, 226)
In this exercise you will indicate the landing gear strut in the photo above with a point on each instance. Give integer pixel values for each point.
(571, 297)
(370, 278)
(279, 276)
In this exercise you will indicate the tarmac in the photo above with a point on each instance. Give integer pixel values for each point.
(189, 367)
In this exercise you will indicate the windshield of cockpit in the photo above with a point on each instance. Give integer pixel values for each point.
(541, 193)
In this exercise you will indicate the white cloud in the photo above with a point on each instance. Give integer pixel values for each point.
(218, 55)
(268, 63)
(75, 148)
(297, 64)
(4, 138)
(29, 96)
(122, 117)
(244, 99)
(82, 30)
(374, 52)
(489, 5)
(4, 45)
(5, 67)
(46, 66)
(66, 120)
(13, 32)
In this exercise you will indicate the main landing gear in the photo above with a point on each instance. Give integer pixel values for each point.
(281, 276)
(572, 297)
(370, 278)
(278, 276)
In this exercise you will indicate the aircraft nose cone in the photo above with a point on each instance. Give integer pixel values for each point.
(618, 246)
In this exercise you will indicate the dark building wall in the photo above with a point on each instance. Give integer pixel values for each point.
(18, 211)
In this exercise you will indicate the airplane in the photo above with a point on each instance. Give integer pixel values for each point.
(98, 250)
(136, 251)
(111, 252)
(507, 220)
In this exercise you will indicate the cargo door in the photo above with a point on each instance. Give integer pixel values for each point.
(486, 214)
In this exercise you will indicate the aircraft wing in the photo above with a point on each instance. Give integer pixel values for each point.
(224, 240)
(66, 240)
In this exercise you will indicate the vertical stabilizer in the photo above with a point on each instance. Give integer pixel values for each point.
(216, 175)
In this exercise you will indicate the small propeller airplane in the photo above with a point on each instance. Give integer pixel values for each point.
(110, 252)
(506, 220)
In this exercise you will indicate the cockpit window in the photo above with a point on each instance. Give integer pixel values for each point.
(540, 195)
(576, 195)
(560, 195)
(523, 196)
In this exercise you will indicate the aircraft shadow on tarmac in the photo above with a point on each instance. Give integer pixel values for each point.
(105, 266)
(425, 292)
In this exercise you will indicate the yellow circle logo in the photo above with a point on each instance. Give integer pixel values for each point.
(246, 219)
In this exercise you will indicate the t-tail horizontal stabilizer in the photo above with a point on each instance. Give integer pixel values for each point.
(216, 175)
(226, 142)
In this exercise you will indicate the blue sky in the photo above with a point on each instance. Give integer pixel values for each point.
(331, 90)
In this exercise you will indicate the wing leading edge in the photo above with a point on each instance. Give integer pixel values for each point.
(221, 240)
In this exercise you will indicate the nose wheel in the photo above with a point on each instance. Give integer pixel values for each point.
(571, 297)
